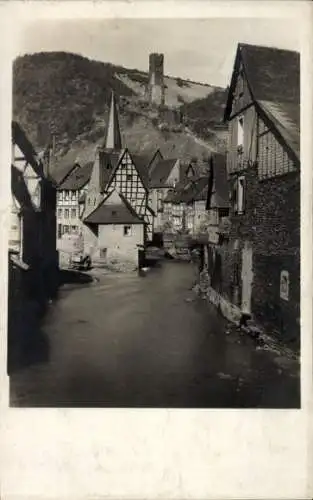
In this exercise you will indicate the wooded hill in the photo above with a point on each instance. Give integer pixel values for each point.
(68, 95)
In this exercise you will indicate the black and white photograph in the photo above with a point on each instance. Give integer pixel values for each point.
(154, 234)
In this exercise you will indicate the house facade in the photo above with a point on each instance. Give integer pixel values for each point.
(163, 176)
(117, 229)
(33, 213)
(257, 266)
(177, 215)
(69, 195)
(185, 205)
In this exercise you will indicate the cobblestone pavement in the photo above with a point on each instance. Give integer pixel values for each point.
(129, 341)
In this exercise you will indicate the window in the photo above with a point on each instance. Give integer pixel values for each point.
(238, 195)
(60, 195)
(240, 133)
(66, 229)
(224, 212)
(73, 195)
(66, 195)
(59, 230)
(74, 229)
(113, 212)
(66, 213)
(241, 195)
(60, 211)
(129, 177)
(234, 196)
(284, 285)
(127, 230)
(73, 212)
(160, 205)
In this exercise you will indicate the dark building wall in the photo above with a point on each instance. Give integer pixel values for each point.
(271, 219)
(271, 223)
(278, 315)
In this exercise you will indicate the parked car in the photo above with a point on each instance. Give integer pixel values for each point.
(80, 261)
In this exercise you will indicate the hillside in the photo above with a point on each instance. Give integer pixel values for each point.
(68, 95)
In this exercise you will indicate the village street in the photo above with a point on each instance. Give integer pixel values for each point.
(129, 341)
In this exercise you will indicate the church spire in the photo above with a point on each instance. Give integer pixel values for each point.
(113, 134)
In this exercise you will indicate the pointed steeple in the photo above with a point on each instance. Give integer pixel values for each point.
(113, 134)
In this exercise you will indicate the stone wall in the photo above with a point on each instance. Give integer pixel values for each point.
(271, 225)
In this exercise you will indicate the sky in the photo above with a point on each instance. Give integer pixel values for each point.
(199, 49)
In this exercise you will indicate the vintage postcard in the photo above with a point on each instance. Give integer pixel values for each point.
(156, 248)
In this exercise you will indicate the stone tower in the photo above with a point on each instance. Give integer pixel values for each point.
(156, 89)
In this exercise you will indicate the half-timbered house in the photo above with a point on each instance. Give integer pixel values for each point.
(179, 204)
(260, 266)
(34, 213)
(70, 194)
(116, 168)
(163, 176)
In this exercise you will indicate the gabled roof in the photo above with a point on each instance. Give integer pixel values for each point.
(273, 78)
(77, 178)
(61, 174)
(113, 138)
(109, 161)
(157, 153)
(141, 163)
(272, 74)
(161, 172)
(114, 213)
(194, 189)
(218, 180)
(184, 168)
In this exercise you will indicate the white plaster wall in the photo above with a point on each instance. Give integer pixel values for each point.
(112, 238)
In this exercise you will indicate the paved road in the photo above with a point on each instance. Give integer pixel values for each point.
(128, 341)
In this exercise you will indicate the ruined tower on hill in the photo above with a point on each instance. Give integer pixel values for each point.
(156, 88)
